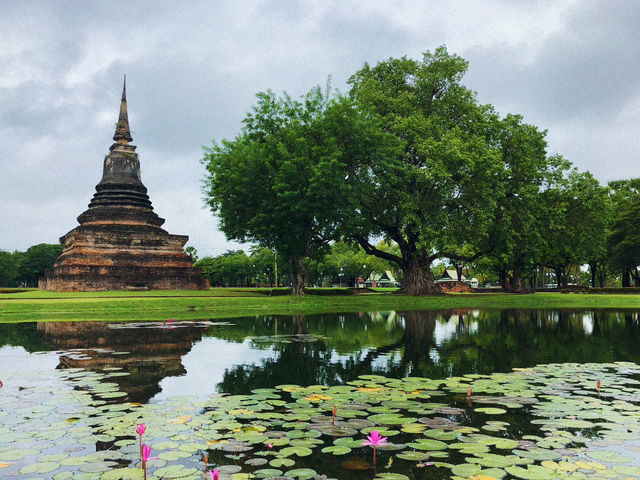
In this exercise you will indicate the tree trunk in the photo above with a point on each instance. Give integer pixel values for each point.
(533, 279)
(626, 278)
(502, 276)
(601, 274)
(299, 275)
(516, 280)
(592, 269)
(419, 280)
(561, 277)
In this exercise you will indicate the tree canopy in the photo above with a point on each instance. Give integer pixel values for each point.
(284, 181)
(442, 186)
(411, 159)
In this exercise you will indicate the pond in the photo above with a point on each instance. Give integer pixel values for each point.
(297, 396)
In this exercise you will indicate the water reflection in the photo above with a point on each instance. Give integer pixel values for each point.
(242, 354)
(147, 354)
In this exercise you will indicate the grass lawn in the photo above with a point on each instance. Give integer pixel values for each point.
(37, 305)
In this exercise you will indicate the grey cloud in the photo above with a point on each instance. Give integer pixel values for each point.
(194, 69)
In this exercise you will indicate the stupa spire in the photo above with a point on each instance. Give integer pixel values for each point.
(123, 134)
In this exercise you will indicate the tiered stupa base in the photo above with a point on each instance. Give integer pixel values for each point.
(122, 257)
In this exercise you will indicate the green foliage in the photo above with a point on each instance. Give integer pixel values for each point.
(578, 220)
(441, 186)
(192, 252)
(351, 261)
(236, 268)
(9, 269)
(232, 268)
(283, 182)
(25, 268)
(515, 240)
(624, 240)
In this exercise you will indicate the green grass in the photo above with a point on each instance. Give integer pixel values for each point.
(36, 305)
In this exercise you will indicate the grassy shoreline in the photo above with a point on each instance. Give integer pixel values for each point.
(35, 305)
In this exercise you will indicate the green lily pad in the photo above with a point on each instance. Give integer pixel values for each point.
(40, 467)
(413, 456)
(123, 474)
(608, 456)
(267, 472)
(301, 473)
(532, 472)
(336, 450)
(428, 444)
(281, 462)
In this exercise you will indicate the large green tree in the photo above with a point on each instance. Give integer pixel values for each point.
(515, 240)
(283, 183)
(441, 187)
(577, 223)
(623, 242)
(625, 195)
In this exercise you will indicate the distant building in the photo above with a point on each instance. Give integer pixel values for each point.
(376, 279)
(119, 244)
(449, 282)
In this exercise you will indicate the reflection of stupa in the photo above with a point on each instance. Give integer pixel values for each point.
(147, 354)
(119, 244)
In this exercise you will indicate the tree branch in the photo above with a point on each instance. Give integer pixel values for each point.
(461, 258)
(371, 250)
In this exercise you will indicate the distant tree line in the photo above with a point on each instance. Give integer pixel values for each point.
(23, 269)
(341, 263)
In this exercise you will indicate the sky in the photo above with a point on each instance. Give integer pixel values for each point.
(571, 67)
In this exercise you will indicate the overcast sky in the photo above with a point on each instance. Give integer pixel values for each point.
(193, 69)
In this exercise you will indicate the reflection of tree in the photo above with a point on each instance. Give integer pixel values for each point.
(147, 354)
(304, 363)
(495, 341)
(24, 335)
(522, 338)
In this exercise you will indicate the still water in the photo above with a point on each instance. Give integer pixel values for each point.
(229, 393)
(235, 356)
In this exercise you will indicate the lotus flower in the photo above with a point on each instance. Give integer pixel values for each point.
(215, 475)
(146, 452)
(374, 439)
(140, 431)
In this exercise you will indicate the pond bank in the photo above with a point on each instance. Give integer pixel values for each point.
(35, 305)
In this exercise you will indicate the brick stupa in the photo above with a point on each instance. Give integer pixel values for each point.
(119, 244)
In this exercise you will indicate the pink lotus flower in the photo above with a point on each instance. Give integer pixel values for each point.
(146, 451)
(140, 431)
(375, 439)
(215, 475)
